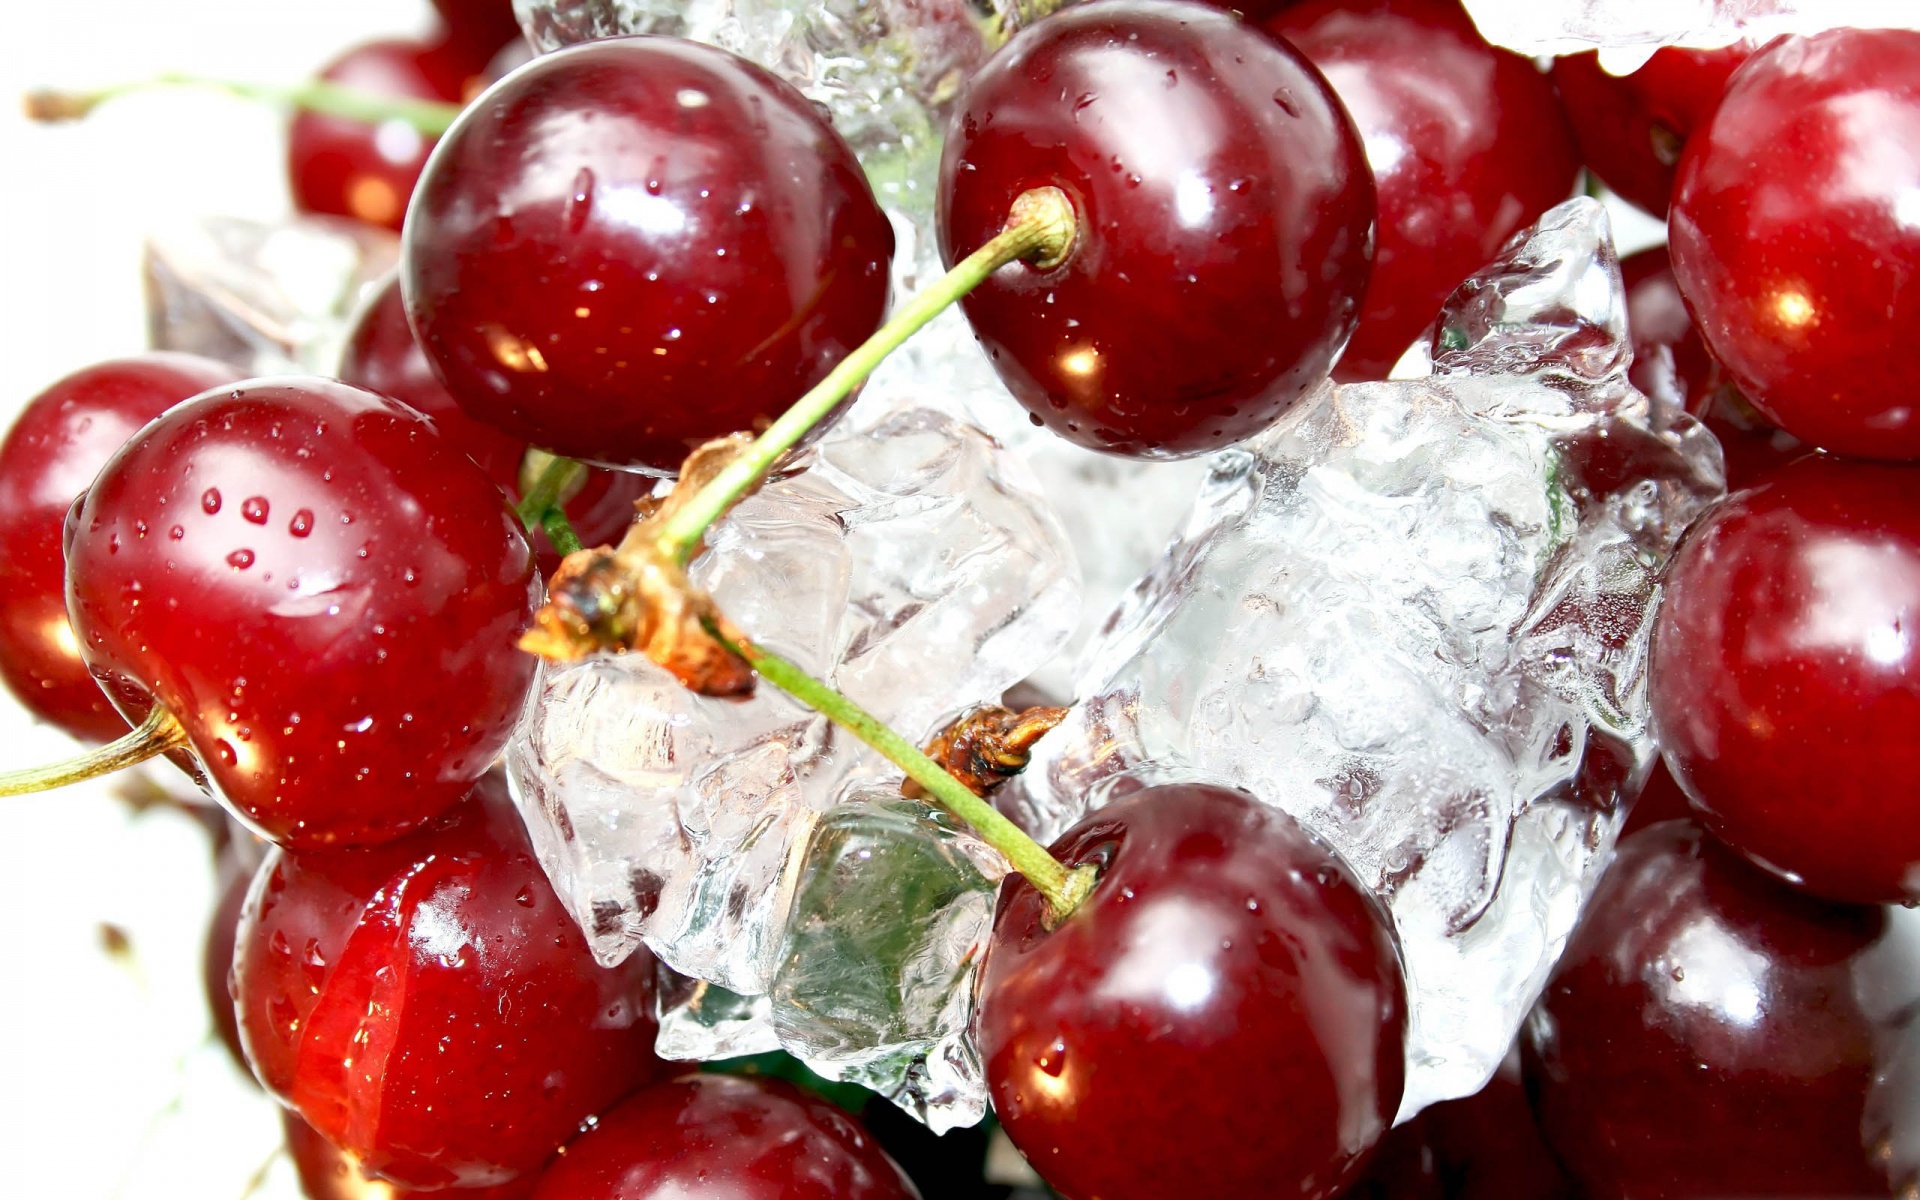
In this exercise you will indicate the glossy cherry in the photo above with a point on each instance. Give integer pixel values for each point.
(744, 1138)
(327, 1173)
(1225, 224)
(1223, 1016)
(382, 356)
(1467, 145)
(1632, 128)
(1712, 1033)
(322, 590)
(1785, 677)
(1672, 365)
(1796, 236)
(485, 25)
(55, 448)
(368, 171)
(430, 1007)
(636, 245)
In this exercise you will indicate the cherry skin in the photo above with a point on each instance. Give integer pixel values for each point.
(429, 1007)
(744, 1138)
(1712, 1033)
(1225, 224)
(322, 590)
(636, 245)
(1672, 365)
(1632, 128)
(1467, 144)
(367, 171)
(59, 443)
(1794, 241)
(233, 872)
(484, 25)
(382, 356)
(328, 1174)
(1223, 1016)
(1785, 675)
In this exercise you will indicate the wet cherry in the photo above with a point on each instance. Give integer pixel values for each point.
(430, 1007)
(367, 171)
(1467, 145)
(1712, 1033)
(745, 1138)
(59, 443)
(1225, 212)
(328, 1174)
(1223, 1016)
(1796, 241)
(1785, 677)
(322, 590)
(1632, 128)
(633, 246)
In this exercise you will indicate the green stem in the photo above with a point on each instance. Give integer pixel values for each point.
(560, 531)
(1040, 228)
(1063, 889)
(430, 117)
(156, 735)
(543, 495)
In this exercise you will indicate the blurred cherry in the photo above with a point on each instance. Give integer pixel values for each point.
(485, 25)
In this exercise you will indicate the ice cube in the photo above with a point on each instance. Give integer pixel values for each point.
(270, 299)
(913, 565)
(1629, 31)
(885, 937)
(701, 1021)
(1415, 616)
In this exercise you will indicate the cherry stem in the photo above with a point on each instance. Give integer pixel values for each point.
(156, 735)
(430, 117)
(1040, 228)
(1063, 888)
(541, 505)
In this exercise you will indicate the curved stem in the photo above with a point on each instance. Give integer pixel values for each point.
(1040, 228)
(156, 735)
(430, 117)
(1063, 889)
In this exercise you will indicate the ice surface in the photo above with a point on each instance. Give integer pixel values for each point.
(700, 1021)
(1415, 616)
(1627, 31)
(884, 941)
(912, 565)
(270, 299)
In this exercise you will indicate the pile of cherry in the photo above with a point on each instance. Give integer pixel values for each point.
(627, 248)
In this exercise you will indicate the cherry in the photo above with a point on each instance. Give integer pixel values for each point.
(430, 1007)
(1785, 675)
(1223, 1016)
(633, 246)
(382, 356)
(366, 171)
(485, 25)
(60, 441)
(1632, 128)
(1671, 365)
(1467, 144)
(1661, 800)
(233, 872)
(326, 1173)
(745, 1138)
(1225, 216)
(1711, 1033)
(1796, 238)
(321, 590)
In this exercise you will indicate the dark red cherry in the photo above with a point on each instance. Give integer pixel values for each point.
(55, 448)
(1223, 1016)
(322, 590)
(1467, 145)
(1795, 232)
(1785, 677)
(741, 1137)
(382, 356)
(485, 25)
(233, 872)
(632, 246)
(428, 1005)
(1671, 365)
(1712, 1033)
(367, 171)
(1632, 128)
(1661, 800)
(1225, 224)
(327, 1173)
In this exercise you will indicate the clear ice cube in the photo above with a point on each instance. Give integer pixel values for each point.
(1628, 31)
(270, 299)
(701, 1021)
(911, 564)
(1415, 616)
(884, 941)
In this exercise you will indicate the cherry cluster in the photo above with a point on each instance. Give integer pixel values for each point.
(1173, 221)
